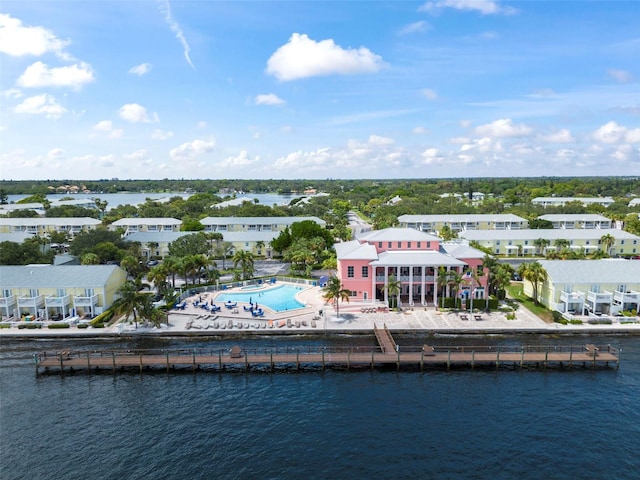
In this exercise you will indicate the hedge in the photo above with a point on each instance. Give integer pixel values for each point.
(58, 325)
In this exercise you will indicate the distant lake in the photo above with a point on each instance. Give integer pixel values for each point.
(117, 199)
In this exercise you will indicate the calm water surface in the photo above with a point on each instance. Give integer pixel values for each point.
(331, 425)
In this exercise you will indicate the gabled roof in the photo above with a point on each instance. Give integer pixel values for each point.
(123, 222)
(461, 250)
(15, 237)
(36, 222)
(547, 233)
(159, 237)
(258, 220)
(397, 235)
(611, 270)
(480, 217)
(354, 250)
(61, 276)
(587, 217)
(416, 257)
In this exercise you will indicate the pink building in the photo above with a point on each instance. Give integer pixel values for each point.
(412, 257)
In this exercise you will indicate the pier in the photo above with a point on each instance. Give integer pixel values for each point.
(387, 355)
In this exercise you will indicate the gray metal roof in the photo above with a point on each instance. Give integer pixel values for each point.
(548, 233)
(576, 217)
(158, 237)
(612, 271)
(461, 250)
(499, 217)
(15, 237)
(397, 235)
(147, 221)
(54, 276)
(354, 250)
(258, 220)
(33, 222)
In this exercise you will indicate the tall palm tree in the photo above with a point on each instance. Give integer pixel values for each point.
(130, 264)
(393, 287)
(259, 246)
(172, 266)
(607, 241)
(535, 273)
(541, 244)
(153, 247)
(245, 260)
(90, 259)
(334, 292)
(158, 275)
(455, 280)
(129, 301)
(443, 281)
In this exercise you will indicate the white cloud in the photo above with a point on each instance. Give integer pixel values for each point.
(431, 156)
(377, 140)
(502, 128)
(269, 99)
(286, 129)
(420, 131)
(141, 69)
(107, 127)
(240, 160)
(429, 94)
(41, 104)
(165, 9)
(633, 136)
(18, 40)
(485, 7)
(610, 132)
(302, 57)
(134, 113)
(561, 136)
(202, 124)
(415, 27)
(103, 126)
(55, 154)
(192, 150)
(161, 135)
(620, 76)
(11, 93)
(40, 75)
(140, 155)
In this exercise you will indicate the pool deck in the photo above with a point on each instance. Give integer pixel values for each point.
(355, 318)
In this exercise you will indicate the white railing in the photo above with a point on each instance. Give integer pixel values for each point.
(82, 301)
(605, 297)
(52, 301)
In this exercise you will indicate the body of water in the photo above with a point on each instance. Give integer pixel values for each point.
(528, 424)
(117, 199)
(278, 299)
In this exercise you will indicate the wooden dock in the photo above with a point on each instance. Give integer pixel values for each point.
(385, 356)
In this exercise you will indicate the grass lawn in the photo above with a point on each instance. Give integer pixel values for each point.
(515, 291)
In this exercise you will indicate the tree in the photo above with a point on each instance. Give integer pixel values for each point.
(443, 281)
(393, 288)
(193, 244)
(502, 279)
(259, 246)
(101, 205)
(158, 275)
(172, 266)
(90, 259)
(447, 234)
(245, 260)
(455, 280)
(535, 273)
(334, 292)
(607, 241)
(541, 244)
(129, 301)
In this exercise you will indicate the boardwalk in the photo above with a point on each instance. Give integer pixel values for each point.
(327, 357)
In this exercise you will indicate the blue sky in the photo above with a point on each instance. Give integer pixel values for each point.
(260, 89)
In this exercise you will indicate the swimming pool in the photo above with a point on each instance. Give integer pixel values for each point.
(278, 299)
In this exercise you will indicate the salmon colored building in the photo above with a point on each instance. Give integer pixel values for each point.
(414, 259)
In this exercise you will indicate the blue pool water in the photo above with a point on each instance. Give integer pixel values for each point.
(278, 299)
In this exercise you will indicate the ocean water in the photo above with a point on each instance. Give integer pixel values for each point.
(506, 424)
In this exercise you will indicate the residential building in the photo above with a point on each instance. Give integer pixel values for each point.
(583, 287)
(253, 224)
(50, 291)
(133, 225)
(413, 258)
(564, 221)
(562, 201)
(540, 241)
(461, 222)
(41, 226)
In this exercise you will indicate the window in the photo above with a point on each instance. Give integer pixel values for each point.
(379, 244)
(399, 244)
(6, 293)
(480, 270)
(621, 288)
(419, 245)
(353, 293)
(497, 243)
(365, 272)
(61, 292)
(88, 292)
(526, 242)
(33, 292)
(428, 244)
(408, 244)
(389, 245)
(595, 288)
(621, 242)
(350, 272)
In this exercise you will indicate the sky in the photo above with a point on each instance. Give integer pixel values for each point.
(153, 89)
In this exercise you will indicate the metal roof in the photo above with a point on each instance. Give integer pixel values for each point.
(412, 257)
(611, 271)
(499, 217)
(586, 217)
(147, 221)
(36, 222)
(56, 276)
(397, 235)
(548, 233)
(258, 220)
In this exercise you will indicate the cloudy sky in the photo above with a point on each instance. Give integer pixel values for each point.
(318, 89)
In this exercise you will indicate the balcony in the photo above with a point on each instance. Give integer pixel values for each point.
(82, 301)
(572, 297)
(623, 298)
(59, 302)
(7, 301)
(31, 302)
(593, 297)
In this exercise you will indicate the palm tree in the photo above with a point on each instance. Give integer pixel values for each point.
(129, 301)
(490, 265)
(213, 237)
(334, 292)
(259, 246)
(245, 260)
(149, 313)
(130, 265)
(443, 281)
(502, 279)
(561, 243)
(535, 273)
(172, 266)
(454, 279)
(607, 241)
(541, 244)
(158, 275)
(393, 287)
(152, 246)
(90, 259)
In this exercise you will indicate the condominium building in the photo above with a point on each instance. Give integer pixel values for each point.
(564, 221)
(43, 226)
(562, 201)
(253, 224)
(133, 225)
(459, 223)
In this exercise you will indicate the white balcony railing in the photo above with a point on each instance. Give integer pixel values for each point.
(627, 297)
(572, 297)
(604, 297)
(7, 301)
(31, 302)
(52, 301)
(82, 301)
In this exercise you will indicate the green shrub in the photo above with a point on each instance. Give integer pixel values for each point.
(58, 325)
(5, 325)
(97, 325)
(104, 317)
(83, 325)
(29, 326)
(575, 322)
(511, 316)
